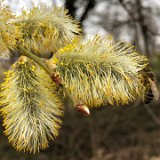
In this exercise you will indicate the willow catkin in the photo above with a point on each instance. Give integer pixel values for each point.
(8, 32)
(31, 106)
(44, 30)
(100, 71)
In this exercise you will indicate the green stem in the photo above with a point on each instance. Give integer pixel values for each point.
(42, 62)
(38, 60)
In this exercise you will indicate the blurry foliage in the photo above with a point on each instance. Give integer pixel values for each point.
(138, 20)
(110, 133)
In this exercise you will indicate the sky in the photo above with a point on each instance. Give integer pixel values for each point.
(89, 27)
(16, 5)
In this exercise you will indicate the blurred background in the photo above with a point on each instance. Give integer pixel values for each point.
(110, 133)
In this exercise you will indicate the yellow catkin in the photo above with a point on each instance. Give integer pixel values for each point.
(101, 72)
(31, 106)
(45, 30)
(8, 32)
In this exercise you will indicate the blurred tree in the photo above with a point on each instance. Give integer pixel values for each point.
(125, 18)
(139, 15)
(72, 7)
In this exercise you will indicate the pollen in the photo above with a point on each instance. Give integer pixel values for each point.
(33, 116)
(98, 71)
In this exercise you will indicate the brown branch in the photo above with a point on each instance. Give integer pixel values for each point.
(136, 20)
(128, 11)
(38, 60)
(152, 114)
(140, 21)
(90, 6)
(70, 5)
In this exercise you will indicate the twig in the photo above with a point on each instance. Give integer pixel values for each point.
(44, 64)
(137, 20)
(152, 114)
(38, 60)
(128, 11)
(90, 5)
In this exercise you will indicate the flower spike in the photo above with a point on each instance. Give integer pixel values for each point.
(100, 71)
(45, 30)
(31, 106)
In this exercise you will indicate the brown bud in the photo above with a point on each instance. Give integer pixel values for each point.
(56, 78)
(83, 109)
(23, 59)
(50, 64)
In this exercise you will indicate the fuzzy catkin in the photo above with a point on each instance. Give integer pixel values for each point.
(44, 30)
(31, 106)
(8, 32)
(100, 72)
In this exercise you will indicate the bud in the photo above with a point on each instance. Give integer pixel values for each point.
(83, 109)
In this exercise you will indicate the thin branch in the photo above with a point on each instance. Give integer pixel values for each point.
(154, 33)
(44, 63)
(136, 20)
(140, 20)
(152, 114)
(38, 60)
(90, 5)
(128, 11)
(70, 5)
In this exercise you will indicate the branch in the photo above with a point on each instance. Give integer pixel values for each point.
(69, 4)
(136, 20)
(91, 4)
(38, 60)
(152, 114)
(46, 64)
(128, 11)
(154, 33)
